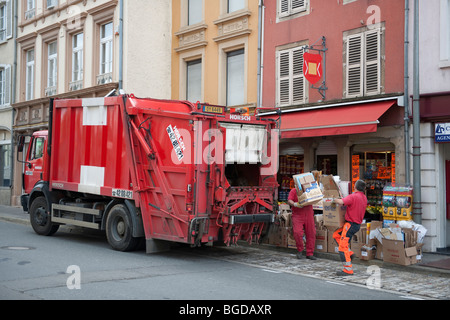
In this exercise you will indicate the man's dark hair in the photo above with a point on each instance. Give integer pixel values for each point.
(360, 185)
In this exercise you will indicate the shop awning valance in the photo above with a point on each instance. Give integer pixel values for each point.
(342, 120)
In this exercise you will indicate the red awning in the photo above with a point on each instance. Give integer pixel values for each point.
(352, 119)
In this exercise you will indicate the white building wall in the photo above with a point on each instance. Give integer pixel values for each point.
(434, 52)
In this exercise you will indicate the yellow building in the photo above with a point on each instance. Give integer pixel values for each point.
(215, 51)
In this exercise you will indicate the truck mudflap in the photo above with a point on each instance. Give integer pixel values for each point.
(246, 211)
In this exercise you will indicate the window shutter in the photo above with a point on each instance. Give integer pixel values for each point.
(9, 19)
(372, 62)
(298, 81)
(284, 8)
(298, 5)
(283, 78)
(7, 85)
(354, 66)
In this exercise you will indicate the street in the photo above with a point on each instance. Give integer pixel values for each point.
(76, 265)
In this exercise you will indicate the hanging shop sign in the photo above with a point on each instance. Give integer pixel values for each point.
(312, 67)
(442, 132)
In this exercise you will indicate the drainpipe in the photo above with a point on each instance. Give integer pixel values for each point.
(260, 50)
(406, 98)
(121, 45)
(417, 192)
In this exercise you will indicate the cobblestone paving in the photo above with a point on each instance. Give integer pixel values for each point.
(414, 285)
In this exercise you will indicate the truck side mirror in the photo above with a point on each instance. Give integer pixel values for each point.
(21, 143)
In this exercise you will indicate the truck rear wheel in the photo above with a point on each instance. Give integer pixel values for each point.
(119, 230)
(40, 218)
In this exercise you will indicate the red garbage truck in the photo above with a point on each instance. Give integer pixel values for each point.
(159, 171)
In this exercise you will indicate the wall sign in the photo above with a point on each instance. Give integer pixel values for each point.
(442, 132)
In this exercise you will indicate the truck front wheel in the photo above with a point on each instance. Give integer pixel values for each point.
(119, 229)
(40, 218)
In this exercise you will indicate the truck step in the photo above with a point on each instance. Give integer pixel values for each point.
(58, 216)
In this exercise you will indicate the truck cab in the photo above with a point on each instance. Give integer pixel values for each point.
(36, 161)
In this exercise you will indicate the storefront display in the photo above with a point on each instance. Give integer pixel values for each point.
(377, 169)
(289, 166)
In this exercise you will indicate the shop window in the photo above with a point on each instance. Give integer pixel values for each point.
(377, 169)
(5, 167)
(289, 165)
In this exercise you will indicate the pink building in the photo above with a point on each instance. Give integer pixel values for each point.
(355, 127)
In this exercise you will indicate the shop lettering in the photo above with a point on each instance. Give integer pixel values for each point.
(239, 117)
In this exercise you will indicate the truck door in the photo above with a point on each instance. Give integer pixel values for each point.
(35, 163)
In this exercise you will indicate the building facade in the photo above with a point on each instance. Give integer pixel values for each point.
(434, 86)
(215, 50)
(87, 48)
(350, 123)
(7, 38)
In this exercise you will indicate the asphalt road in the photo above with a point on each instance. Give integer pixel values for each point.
(72, 265)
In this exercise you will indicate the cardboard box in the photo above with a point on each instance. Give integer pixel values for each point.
(394, 251)
(330, 187)
(332, 246)
(368, 251)
(321, 240)
(333, 214)
(308, 191)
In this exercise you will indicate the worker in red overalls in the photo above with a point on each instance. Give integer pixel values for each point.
(356, 208)
(302, 218)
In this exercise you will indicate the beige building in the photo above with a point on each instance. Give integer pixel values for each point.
(76, 49)
(215, 51)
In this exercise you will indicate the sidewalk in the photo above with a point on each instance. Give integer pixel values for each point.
(17, 215)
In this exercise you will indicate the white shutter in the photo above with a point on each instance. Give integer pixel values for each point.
(372, 62)
(298, 5)
(354, 68)
(9, 19)
(298, 80)
(284, 8)
(283, 78)
(7, 85)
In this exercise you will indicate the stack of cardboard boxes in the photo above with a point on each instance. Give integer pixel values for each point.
(392, 244)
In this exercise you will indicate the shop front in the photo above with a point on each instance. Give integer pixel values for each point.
(359, 141)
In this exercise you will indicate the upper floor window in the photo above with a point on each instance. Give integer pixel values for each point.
(52, 71)
(194, 80)
(77, 62)
(5, 85)
(445, 34)
(291, 83)
(195, 12)
(290, 7)
(6, 19)
(363, 64)
(235, 5)
(30, 9)
(29, 75)
(106, 53)
(235, 77)
(51, 4)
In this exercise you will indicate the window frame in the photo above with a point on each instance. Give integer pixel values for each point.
(5, 85)
(52, 73)
(231, 54)
(30, 65)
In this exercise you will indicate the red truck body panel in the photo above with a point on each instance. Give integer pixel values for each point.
(169, 158)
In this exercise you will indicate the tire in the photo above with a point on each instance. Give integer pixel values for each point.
(40, 218)
(119, 229)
